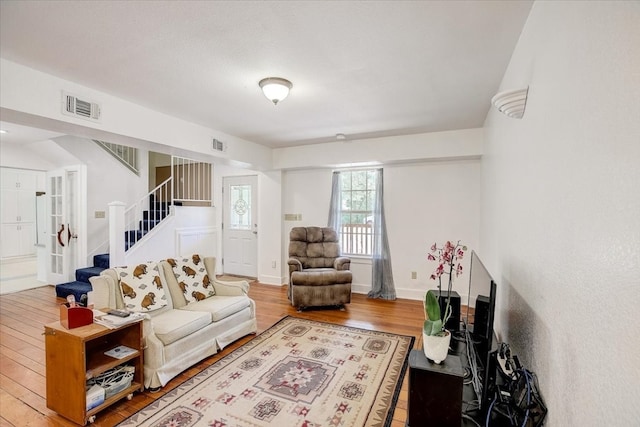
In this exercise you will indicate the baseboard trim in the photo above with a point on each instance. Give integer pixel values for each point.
(272, 280)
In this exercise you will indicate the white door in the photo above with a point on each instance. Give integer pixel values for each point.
(62, 226)
(240, 226)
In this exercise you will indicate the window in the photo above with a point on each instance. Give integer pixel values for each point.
(357, 195)
(240, 214)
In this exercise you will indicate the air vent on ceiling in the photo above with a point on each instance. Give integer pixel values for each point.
(218, 145)
(74, 106)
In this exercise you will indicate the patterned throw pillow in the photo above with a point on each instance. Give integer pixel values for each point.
(141, 287)
(192, 278)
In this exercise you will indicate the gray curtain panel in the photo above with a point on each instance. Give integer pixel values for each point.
(381, 274)
(336, 203)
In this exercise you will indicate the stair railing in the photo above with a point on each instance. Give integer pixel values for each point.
(192, 185)
(126, 155)
(127, 226)
(157, 205)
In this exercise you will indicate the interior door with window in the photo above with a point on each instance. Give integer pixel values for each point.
(62, 212)
(240, 226)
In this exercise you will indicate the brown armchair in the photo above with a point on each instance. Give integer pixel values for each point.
(318, 275)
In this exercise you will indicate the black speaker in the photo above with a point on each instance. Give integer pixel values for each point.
(453, 324)
(481, 317)
(435, 391)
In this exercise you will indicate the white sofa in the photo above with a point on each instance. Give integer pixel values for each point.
(187, 321)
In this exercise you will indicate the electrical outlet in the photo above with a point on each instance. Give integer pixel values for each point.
(273, 264)
(100, 214)
(414, 275)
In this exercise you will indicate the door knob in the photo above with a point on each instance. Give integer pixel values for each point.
(60, 235)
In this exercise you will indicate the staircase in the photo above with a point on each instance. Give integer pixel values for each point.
(150, 218)
(158, 210)
(81, 285)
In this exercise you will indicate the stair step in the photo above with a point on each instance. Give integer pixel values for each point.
(148, 224)
(101, 260)
(77, 289)
(132, 236)
(83, 274)
(154, 215)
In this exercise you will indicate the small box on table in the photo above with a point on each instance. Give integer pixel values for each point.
(74, 317)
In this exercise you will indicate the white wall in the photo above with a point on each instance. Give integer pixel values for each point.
(561, 210)
(430, 203)
(34, 98)
(107, 181)
(425, 202)
(191, 230)
(270, 229)
(457, 144)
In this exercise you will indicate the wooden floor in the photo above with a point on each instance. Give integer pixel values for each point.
(22, 353)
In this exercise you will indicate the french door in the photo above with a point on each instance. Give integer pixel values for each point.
(65, 218)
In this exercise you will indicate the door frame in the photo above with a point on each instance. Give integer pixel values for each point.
(225, 207)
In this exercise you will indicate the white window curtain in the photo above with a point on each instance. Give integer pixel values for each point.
(381, 274)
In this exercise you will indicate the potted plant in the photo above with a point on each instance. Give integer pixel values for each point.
(436, 338)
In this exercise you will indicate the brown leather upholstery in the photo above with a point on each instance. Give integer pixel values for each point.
(318, 275)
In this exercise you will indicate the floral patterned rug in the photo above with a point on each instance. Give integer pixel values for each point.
(297, 373)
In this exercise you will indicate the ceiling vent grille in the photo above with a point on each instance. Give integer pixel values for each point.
(74, 106)
(218, 145)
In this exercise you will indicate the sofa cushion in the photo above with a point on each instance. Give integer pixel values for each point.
(173, 325)
(220, 307)
(192, 278)
(141, 287)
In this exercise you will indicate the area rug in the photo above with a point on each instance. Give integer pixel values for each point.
(297, 373)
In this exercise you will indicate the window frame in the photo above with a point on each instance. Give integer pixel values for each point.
(357, 235)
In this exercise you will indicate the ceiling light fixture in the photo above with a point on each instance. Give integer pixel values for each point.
(275, 88)
(512, 102)
(3, 131)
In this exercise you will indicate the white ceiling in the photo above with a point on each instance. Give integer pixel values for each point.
(362, 68)
(17, 134)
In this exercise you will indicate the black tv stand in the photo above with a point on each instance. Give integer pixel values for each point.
(435, 391)
(441, 395)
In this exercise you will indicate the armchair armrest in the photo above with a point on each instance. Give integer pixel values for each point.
(294, 265)
(231, 288)
(102, 295)
(342, 263)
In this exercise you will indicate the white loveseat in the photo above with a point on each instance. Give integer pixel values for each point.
(191, 315)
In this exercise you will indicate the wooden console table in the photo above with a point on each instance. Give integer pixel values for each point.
(74, 356)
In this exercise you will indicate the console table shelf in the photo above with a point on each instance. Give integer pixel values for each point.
(74, 356)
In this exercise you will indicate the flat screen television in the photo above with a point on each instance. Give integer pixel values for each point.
(479, 322)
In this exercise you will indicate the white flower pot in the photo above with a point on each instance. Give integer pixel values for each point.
(436, 347)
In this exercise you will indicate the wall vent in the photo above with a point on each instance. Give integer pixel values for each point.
(218, 145)
(74, 106)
